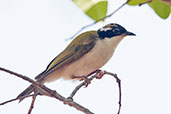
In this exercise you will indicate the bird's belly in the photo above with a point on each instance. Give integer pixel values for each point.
(88, 63)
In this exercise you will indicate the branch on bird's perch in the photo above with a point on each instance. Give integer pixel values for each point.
(11, 100)
(51, 93)
(32, 104)
(96, 75)
(119, 86)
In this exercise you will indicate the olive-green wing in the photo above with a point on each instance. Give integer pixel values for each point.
(75, 50)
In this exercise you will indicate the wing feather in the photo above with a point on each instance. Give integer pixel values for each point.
(75, 50)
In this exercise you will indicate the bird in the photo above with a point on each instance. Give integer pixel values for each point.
(86, 54)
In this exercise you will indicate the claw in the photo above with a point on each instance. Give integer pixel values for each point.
(100, 74)
(87, 81)
(81, 78)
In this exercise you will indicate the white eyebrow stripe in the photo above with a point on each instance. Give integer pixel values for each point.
(105, 29)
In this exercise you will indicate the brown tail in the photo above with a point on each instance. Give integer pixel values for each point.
(27, 91)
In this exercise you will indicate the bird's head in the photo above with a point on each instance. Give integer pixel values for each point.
(111, 30)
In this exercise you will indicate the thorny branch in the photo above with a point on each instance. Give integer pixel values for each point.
(54, 94)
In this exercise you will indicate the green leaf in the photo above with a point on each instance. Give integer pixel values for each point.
(161, 8)
(95, 9)
(136, 2)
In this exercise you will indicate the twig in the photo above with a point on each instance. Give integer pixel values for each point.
(95, 76)
(91, 24)
(50, 92)
(69, 102)
(79, 86)
(56, 95)
(32, 104)
(119, 85)
(102, 19)
(11, 100)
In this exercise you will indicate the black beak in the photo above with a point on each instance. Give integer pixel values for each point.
(130, 33)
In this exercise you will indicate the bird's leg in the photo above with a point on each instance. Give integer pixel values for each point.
(96, 71)
(86, 79)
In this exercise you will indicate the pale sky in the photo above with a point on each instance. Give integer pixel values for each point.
(33, 32)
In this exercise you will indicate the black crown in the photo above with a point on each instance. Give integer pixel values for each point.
(111, 30)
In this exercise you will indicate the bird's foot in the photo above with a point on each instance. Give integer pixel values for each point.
(96, 71)
(100, 74)
(81, 78)
(87, 81)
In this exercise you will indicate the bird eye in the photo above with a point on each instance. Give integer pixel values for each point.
(116, 31)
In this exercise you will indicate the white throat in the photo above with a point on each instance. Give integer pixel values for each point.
(93, 60)
(111, 43)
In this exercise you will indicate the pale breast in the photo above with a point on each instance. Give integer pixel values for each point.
(96, 58)
(93, 60)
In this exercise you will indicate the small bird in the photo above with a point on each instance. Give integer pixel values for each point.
(86, 53)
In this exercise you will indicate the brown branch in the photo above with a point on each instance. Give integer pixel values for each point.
(69, 102)
(119, 85)
(50, 92)
(56, 95)
(102, 19)
(96, 76)
(32, 104)
(79, 86)
(168, 2)
(11, 100)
